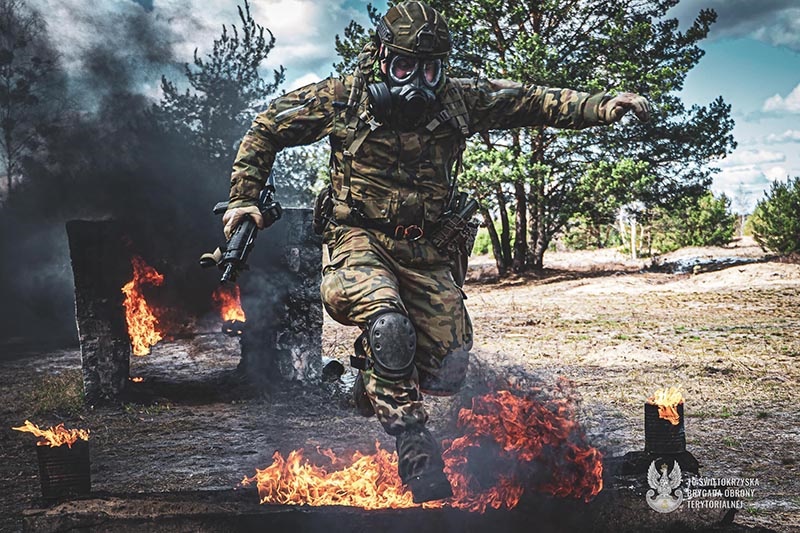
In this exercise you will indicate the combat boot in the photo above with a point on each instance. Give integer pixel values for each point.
(420, 465)
(361, 399)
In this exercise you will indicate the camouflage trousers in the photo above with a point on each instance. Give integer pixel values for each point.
(370, 273)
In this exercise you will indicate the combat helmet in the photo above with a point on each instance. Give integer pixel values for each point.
(416, 29)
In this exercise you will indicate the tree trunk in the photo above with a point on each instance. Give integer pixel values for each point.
(497, 248)
(541, 239)
(505, 229)
(521, 228)
(538, 224)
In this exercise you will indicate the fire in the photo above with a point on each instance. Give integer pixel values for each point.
(525, 444)
(667, 401)
(142, 323)
(368, 481)
(510, 443)
(228, 298)
(54, 436)
(137, 379)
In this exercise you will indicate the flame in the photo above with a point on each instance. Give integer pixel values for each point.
(367, 481)
(228, 298)
(142, 323)
(54, 436)
(529, 444)
(510, 444)
(137, 379)
(667, 401)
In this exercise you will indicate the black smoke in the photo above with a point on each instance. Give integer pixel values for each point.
(107, 157)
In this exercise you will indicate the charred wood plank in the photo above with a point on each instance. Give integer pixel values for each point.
(100, 266)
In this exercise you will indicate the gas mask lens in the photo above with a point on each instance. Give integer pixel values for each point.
(432, 70)
(403, 69)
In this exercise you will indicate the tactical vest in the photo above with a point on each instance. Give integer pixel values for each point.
(360, 124)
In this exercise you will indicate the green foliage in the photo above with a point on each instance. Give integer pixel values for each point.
(350, 45)
(583, 234)
(708, 222)
(226, 91)
(704, 221)
(776, 220)
(604, 188)
(483, 242)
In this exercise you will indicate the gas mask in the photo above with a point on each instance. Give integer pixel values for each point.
(405, 99)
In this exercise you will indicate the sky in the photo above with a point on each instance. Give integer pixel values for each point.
(752, 60)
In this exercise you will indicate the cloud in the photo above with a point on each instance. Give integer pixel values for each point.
(780, 104)
(749, 158)
(744, 185)
(304, 31)
(746, 174)
(788, 136)
(776, 22)
(776, 173)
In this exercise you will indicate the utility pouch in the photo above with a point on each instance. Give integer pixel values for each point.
(323, 209)
(455, 235)
(460, 257)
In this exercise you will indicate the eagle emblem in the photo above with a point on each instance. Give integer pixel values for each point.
(660, 497)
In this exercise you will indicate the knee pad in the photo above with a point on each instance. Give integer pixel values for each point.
(393, 343)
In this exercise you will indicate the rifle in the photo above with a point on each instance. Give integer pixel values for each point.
(234, 258)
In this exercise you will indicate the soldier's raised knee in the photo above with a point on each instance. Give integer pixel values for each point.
(393, 343)
(335, 297)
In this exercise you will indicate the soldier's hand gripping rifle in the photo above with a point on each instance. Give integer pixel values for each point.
(234, 258)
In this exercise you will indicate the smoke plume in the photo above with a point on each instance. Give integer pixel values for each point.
(106, 156)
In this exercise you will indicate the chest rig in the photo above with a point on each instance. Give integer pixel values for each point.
(360, 123)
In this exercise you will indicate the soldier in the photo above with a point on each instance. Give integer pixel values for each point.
(397, 128)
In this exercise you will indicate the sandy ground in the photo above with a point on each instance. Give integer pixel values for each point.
(730, 338)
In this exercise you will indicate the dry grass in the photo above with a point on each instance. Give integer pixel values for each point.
(55, 395)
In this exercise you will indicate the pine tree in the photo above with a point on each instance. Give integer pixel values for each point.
(226, 91)
(776, 219)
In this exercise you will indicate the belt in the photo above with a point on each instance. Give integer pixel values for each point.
(398, 232)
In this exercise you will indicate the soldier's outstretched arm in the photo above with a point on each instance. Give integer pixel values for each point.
(503, 104)
(300, 117)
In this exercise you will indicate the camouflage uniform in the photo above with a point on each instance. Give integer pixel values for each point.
(400, 179)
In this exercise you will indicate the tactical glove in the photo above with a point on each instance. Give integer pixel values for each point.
(234, 216)
(615, 109)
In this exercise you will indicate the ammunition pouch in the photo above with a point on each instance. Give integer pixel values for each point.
(455, 234)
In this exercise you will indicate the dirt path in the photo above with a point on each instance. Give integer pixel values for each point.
(730, 338)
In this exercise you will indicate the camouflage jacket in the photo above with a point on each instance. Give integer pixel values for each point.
(399, 177)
